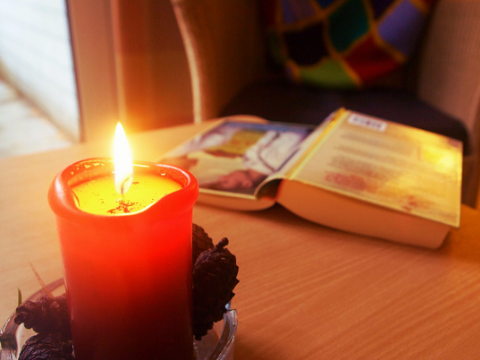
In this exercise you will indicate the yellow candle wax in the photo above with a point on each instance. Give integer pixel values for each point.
(99, 196)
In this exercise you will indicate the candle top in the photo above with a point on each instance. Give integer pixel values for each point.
(99, 196)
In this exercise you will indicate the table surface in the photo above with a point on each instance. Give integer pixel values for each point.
(305, 291)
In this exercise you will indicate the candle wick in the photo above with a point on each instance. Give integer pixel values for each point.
(125, 185)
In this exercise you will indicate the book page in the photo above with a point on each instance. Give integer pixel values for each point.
(388, 164)
(236, 157)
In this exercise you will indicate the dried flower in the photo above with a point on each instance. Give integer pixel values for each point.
(214, 278)
(46, 315)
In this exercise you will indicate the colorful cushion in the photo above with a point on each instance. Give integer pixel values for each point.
(343, 43)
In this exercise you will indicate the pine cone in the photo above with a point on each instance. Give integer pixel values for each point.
(214, 278)
(46, 315)
(200, 242)
(47, 347)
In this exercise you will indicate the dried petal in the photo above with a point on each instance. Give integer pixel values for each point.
(200, 242)
(47, 347)
(46, 315)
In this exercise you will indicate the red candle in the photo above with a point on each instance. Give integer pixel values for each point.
(128, 272)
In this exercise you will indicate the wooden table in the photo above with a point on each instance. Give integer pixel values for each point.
(305, 291)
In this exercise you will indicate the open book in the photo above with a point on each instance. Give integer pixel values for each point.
(353, 172)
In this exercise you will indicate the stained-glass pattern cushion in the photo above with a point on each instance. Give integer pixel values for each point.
(343, 43)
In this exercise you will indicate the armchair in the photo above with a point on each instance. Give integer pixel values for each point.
(439, 89)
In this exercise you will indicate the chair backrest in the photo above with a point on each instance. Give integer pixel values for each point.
(223, 40)
(449, 69)
(448, 75)
(225, 47)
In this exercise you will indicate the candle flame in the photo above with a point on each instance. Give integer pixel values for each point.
(123, 161)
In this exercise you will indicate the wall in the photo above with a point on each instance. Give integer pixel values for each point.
(35, 56)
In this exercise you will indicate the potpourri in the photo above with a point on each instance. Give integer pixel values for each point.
(214, 278)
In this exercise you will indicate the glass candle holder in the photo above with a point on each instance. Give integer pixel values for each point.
(218, 344)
